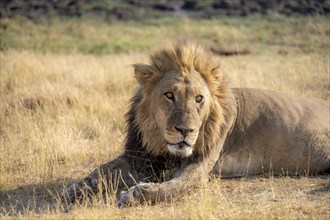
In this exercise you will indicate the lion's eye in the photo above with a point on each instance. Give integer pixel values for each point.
(169, 96)
(199, 99)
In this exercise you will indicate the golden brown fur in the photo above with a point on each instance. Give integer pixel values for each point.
(185, 123)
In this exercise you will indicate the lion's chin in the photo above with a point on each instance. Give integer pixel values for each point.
(179, 150)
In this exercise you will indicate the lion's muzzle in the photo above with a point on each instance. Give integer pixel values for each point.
(180, 141)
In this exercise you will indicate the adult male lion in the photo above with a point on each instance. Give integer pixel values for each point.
(185, 123)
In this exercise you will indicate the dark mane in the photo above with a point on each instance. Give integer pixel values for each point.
(136, 151)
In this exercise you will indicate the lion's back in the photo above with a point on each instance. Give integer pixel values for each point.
(280, 132)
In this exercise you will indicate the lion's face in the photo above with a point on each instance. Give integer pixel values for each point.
(180, 102)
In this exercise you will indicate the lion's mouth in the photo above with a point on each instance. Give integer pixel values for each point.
(181, 144)
(181, 149)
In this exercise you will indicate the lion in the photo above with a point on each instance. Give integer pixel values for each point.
(185, 124)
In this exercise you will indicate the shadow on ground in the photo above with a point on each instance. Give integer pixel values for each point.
(34, 198)
(38, 198)
(321, 189)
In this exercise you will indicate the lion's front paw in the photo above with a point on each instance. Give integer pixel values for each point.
(127, 198)
(136, 194)
(79, 190)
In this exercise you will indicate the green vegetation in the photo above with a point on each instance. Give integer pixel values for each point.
(258, 33)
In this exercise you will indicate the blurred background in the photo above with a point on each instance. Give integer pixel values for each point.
(108, 26)
(110, 10)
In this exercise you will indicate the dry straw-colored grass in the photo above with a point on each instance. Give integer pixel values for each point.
(61, 115)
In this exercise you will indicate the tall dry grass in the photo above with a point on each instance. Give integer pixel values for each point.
(61, 115)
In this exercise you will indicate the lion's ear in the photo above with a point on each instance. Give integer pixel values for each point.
(217, 74)
(145, 73)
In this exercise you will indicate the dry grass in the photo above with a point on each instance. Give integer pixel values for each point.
(61, 115)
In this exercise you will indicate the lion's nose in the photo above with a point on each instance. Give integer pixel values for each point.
(183, 130)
